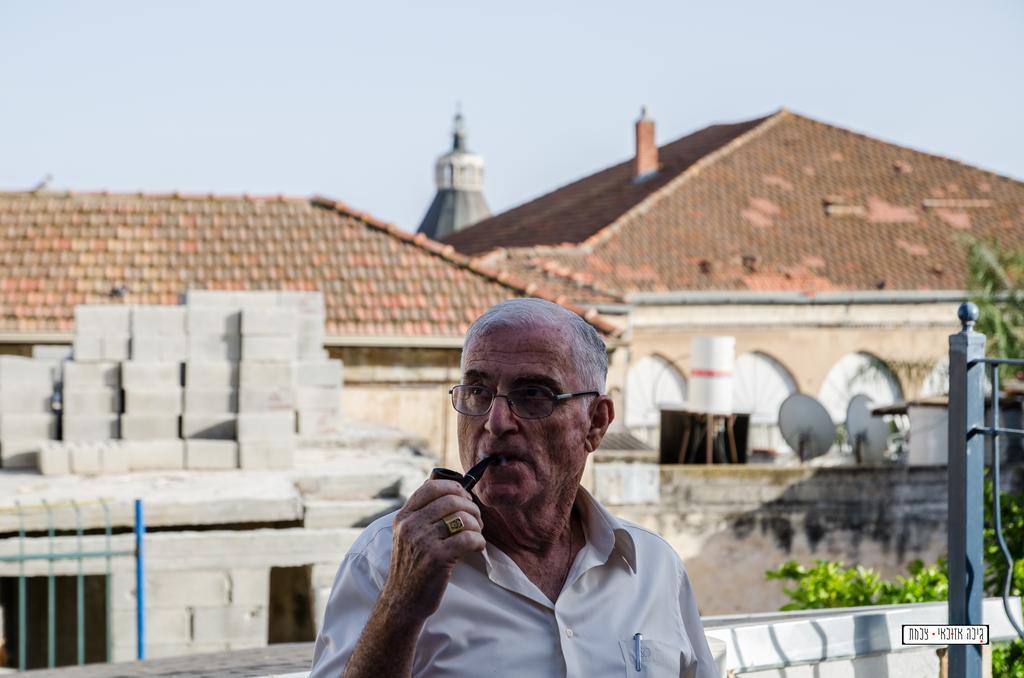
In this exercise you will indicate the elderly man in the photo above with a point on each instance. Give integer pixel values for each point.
(531, 576)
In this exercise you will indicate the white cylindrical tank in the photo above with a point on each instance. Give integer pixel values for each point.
(929, 435)
(712, 361)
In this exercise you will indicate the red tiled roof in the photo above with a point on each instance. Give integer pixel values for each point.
(58, 250)
(576, 211)
(791, 205)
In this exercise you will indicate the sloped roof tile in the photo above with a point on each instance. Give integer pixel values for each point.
(790, 204)
(376, 279)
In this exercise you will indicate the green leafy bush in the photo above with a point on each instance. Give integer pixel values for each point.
(832, 584)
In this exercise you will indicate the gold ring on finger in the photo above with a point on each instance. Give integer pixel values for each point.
(454, 523)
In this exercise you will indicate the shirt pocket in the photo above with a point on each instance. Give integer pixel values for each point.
(657, 659)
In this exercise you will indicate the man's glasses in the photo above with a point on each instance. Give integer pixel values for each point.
(529, 402)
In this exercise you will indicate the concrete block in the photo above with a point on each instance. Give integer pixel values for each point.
(268, 374)
(149, 348)
(319, 373)
(269, 320)
(114, 457)
(56, 353)
(92, 401)
(258, 455)
(281, 399)
(149, 376)
(20, 372)
(87, 347)
(211, 375)
(211, 454)
(311, 323)
(102, 318)
(89, 376)
(25, 401)
(187, 588)
(54, 458)
(358, 513)
(213, 320)
(214, 348)
(157, 320)
(89, 427)
(17, 453)
(153, 401)
(216, 426)
(319, 423)
(319, 399)
(270, 347)
(310, 348)
(303, 302)
(28, 426)
(86, 459)
(249, 586)
(150, 426)
(265, 426)
(155, 455)
(168, 624)
(202, 401)
(231, 623)
(101, 347)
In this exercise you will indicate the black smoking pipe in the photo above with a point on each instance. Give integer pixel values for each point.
(472, 476)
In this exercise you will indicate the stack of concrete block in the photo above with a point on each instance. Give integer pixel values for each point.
(214, 333)
(102, 333)
(210, 422)
(91, 401)
(158, 334)
(318, 401)
(311, 316)
(26, 417)
(84, 458)
(150, 425)
(269, 333)
(267, 393)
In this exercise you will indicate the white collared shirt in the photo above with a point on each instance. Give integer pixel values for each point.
(493, 621)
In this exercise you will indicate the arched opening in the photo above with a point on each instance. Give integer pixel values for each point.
(760, 385)
(858, 373)
(936, 383)
(652, 384)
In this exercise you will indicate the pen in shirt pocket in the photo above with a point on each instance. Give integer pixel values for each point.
(638, 648)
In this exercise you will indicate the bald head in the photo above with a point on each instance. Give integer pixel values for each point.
(588, 350)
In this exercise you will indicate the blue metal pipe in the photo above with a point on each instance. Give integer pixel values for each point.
(140, 580)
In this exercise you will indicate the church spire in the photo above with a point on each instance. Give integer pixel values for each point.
(459, 177)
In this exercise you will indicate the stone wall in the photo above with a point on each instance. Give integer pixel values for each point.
(731, 523)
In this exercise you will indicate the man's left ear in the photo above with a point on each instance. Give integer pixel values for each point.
(600, 419)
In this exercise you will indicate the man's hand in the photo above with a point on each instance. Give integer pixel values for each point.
(423, 552)
(423, 555)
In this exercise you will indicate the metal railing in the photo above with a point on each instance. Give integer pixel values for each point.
(80, 555)
(967, 433)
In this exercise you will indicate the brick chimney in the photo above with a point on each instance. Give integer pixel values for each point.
(645, 163)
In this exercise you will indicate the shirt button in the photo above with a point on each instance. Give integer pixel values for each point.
(568, 633)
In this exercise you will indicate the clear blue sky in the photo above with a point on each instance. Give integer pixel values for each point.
(354, 100)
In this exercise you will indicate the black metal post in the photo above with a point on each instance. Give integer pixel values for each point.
(966, 486)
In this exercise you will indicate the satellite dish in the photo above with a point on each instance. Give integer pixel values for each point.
(806, 426)
(869, 435)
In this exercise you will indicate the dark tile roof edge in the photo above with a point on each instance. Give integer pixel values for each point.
(693, 170)
(449, 254)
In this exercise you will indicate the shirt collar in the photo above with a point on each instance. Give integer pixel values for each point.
(605, 533)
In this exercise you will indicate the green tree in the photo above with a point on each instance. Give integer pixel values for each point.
(996, 284)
